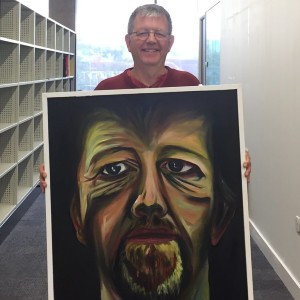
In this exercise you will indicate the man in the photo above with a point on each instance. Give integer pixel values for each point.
(150, 198)
(151, 207)
(149, 39)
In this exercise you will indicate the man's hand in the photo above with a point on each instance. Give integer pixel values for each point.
(43, 175)
(247, 165)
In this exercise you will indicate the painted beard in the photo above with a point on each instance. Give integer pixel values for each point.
(150, 270)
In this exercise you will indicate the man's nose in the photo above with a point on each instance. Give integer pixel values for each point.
(151, 202)
(151, 37)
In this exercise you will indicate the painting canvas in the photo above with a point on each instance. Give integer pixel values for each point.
(146, 197)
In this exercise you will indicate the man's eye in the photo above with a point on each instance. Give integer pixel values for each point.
(113, 169)
(182, 168)
(142, 34)
(160, 35)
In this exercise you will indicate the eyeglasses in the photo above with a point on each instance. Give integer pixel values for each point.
(144, 35)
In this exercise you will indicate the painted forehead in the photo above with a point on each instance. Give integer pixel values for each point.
(183, 134)
(146, 125)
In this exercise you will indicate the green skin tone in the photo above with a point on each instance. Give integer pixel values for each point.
(173, 170)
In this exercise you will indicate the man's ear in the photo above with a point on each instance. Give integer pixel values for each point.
(171, 42)
(128, 41)
(77, 221)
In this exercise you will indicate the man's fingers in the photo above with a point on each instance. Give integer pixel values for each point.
(43, 175)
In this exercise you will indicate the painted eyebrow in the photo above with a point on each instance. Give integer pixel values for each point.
(109, 151)
(172, 149)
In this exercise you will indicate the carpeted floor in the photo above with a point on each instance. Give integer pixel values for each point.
(23, 266)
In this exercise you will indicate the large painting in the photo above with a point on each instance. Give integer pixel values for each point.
(146, 197)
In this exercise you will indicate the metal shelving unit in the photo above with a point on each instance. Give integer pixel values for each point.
(37, 55)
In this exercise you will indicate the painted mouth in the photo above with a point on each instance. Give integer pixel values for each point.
(151, 236)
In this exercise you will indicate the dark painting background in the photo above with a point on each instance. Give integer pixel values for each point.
(74, 273)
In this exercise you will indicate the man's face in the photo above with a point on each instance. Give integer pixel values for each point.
(149, 52)
(149, 201)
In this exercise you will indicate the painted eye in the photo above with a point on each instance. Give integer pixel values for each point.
(113, 169)
(181, 168)
(178, 166)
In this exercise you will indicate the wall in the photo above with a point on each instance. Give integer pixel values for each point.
(63, 12)
(40, 6)
(260, 48)
(205, 5)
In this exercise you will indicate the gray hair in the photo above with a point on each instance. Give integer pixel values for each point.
(149, 10)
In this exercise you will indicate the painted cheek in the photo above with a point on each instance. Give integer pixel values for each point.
(83, 191)
(108, 222)
(195, 221)
(192, 214)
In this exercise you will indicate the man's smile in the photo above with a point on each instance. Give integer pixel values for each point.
(150, 50)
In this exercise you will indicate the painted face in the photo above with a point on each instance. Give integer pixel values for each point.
(148, 200)
(152, 51)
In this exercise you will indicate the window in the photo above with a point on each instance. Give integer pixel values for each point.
(211, 36)
(184, 54)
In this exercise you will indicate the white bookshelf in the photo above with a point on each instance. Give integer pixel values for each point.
(37, 55)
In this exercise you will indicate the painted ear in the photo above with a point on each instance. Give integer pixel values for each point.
(77, 221)
(224, 210)
(217, 233)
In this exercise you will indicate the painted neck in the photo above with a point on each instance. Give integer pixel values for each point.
(201, 287)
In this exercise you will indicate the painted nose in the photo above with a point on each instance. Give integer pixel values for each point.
(151, 201)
